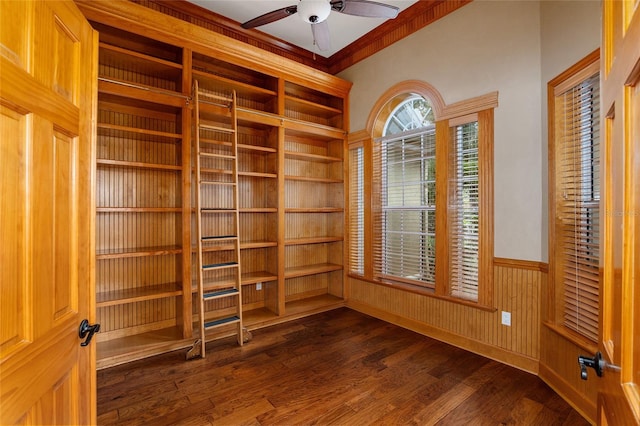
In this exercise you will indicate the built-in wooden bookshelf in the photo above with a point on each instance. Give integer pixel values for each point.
(291, 129)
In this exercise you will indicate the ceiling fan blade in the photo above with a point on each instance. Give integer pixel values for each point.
(321, 35)
(369, 9)
(269, 17)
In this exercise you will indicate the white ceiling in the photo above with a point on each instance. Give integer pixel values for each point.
(344, 29)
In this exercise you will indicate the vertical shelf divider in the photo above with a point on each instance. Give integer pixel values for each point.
(185, 308)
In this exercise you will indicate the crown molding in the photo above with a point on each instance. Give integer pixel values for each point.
(410, 20)
(212, 21)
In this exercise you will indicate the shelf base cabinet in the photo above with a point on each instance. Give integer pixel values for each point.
(291, 142)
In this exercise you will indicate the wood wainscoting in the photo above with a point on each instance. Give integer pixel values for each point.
(560, 370)
(517, 289)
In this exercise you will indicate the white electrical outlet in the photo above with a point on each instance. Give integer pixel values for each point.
(258, 286)
(506, 318)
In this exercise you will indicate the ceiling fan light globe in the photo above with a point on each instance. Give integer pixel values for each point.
(314, 11)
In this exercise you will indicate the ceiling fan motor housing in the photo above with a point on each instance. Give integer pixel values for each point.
(314, 11)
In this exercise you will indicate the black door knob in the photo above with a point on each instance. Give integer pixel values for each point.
(597, 363)
(87, 330)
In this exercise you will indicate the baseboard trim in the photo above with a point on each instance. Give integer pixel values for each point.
(585, 407)
(503, 356)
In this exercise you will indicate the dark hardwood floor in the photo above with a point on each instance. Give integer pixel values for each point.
(339, 367)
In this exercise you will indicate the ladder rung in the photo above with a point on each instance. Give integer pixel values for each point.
(214, 96)
(217, 209)
(209, 154)
(220, 237)
(221, 321)
(217, 128)
(219, 266)
(222, 293)
(213, 182)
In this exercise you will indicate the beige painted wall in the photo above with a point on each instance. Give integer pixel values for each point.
(570, 30)
(483, 47)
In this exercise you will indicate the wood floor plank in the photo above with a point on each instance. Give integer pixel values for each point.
(339, 367)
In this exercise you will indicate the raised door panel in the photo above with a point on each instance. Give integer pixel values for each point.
(47, 225)
(619, 387)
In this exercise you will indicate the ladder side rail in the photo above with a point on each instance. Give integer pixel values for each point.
(234, 124)
(199, 262)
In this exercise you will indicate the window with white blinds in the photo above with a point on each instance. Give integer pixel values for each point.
(464, 203)
(425, 221)
(406, 167)
(577, 204)
(356, 211)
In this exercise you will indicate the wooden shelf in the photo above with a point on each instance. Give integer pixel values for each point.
(258, 175)
(313, 179)
(210, 249)
(312, 240)
(257, 277)
(314, 210)
(243, 90)
(261, 317)
(214, 284)
(257, 117)
(137, 252)
(248, 147)
(313, 305)
(105, 129)
(218, 171)
(301, 271)
(310, 157)
(130, 348)
(308, 107)
(258, 210)
(245, 245)
(138, 210)
(119, 297)
(139, 91)
(121, 58)
(137, 165)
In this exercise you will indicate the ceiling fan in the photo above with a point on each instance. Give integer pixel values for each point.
(315, 12)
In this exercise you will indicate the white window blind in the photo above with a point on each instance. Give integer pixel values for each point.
(578, 204)
(405, 167)
(356, 211)
(464, 203)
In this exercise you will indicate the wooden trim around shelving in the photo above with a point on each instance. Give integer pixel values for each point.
(212, 21)
(410, 20)
(169, 29)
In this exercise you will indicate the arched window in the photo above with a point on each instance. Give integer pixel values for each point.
(413, 113)
(406, 159)
(425, 219)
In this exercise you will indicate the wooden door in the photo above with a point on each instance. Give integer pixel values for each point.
(48, 82)
(619, 388)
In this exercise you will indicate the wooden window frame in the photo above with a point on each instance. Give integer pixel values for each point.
(476, 109)
(574, 75)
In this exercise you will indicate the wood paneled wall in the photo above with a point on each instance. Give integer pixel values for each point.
(559, 369)
(517, 289)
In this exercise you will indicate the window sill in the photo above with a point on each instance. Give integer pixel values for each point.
(424, 292)
(575, 338)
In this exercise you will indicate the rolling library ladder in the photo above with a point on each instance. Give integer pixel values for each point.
(217, 217)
